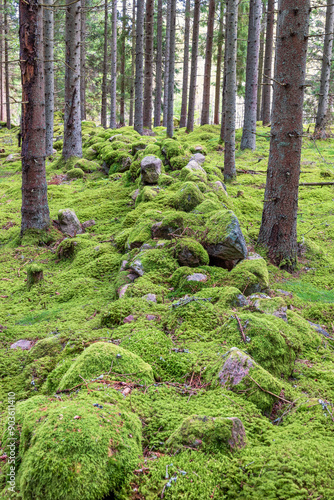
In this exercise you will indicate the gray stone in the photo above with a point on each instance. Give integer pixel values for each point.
(129, 319)
(240, 301)
(135, 194)
(319, 329)
(235, 368)
(197, 277)
(220, 186)
(69, 222)
(88, 223)
(150, 168)
(137, 267)
(121, 291)
(124, 264)
(199, 158)
(150, 317)
(150, 297)
(23, 344)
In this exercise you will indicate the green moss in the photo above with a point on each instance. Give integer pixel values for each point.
(172, 148)
(178, 162)
(86, 165)
(75, 173)
(34, 274)
(58, 145)
(188, 197)
(189, 252)
(250, 276)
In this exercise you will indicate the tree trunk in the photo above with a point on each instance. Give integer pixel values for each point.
(133, 59)
(248, 140)
(122, 100)
(223, 118)
(2, 114)
(105, 68)
(267, 71)
(83, 61)
(170, 116)
(139, 82)
(231, 89)
(261, 59)
(35, 210)
(278, 232)
(49, 76)
(320, 123)
(158, 72)
(8, 117)
(148, 83)
(219, 63)
(193, 71)
(72, 119)
(166, 68)
(183, 117)
(205, 118)
(113, 90)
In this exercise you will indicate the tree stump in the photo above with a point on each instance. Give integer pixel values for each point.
(34, 275)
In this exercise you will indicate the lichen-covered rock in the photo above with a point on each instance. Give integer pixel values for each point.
(76, 450)
(225, 241)
(97, 360)
(150, 168)
(190, 253)
(222, 434)
(69, 222)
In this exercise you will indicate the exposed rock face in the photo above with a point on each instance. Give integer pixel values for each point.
(235, 369)
(150, 297)
(191, 253)
(319, 329)
(199, 158)
(69, 222)
(23, 344)
(197, 277)
(150, 169)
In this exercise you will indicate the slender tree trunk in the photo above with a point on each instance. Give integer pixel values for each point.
(49, 76)
(267, 71)
(133, 59)
(139, 82)
(83, 60)
(2, 114)
(219, 63)
(148, 83)
(158, 72)
(105, 68)
(278, 232)
(193, 70)
(113, 103)
(223, 119)
(72, 120)
(205, 118)
(8, 116)
(35, 210)
(231, 89)
(122, 100)
(261, 60)
(320, 123)
(170, 119)
(183, 117)
(248, 140)
(166, 68)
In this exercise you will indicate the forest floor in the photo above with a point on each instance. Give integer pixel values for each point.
(139, 397)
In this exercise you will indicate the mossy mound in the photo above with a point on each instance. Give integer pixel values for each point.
(188, 197)
(75, 173)
(98, 359)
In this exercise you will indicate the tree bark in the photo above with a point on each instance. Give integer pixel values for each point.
(248, 140)
(170, 116)
(158, 72)
(122, 99)
(49, 76)
(223, 118)
(205, 118)
(267, 71)
(193, 71)
(166, 68)
(219, 63)
(321, 119)
(139, 82)
(278, 232)
(8, 116)
(183, 117)
(133, 58)
(231, 89)
(83, 60)
(113, 89)
(105, 68)
(148, 81)
(261, 61)
(2, 114)
(35, 210)
(72, 119)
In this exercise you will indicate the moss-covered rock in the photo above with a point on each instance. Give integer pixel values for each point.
(86, 165)
(193, 172)
(172, 148)
(250, 276)
(188, 197)
(75, 173)
(178, 162)
(97, 359)
(191, 253)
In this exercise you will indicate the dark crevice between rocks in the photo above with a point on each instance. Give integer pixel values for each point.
(110, 496)
(225, 264)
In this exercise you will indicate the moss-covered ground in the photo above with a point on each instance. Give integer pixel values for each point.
(113, 376)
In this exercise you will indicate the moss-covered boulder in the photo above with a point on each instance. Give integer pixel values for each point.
(188, 197)
(178, 162)
(193, 172)
(86, 165)
(69, 222)
(77, 450)
(75, 173)
(191, 253)
(150, 168)
(211, 433)
(97, 359)
(171, 148)
(250, 276)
